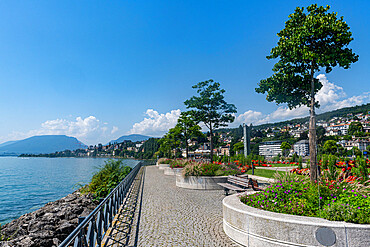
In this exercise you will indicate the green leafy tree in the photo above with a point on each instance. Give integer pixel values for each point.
(330, 147)
(355, 128)
(187, 129)
(356, 151)
(170, 141)
(285, 147)
(210, 107)
(238, 146)
(312, 39)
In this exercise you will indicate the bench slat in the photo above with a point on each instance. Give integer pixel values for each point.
(231, 187)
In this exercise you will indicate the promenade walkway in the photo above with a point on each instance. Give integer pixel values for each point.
(166, 215)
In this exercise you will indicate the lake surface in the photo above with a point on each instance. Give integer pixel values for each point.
(27, 184)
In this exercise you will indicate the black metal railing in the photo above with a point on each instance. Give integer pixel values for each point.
(92, 228)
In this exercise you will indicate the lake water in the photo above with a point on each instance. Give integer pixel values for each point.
(27, 184)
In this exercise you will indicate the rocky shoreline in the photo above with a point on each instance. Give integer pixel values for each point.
(49, 225)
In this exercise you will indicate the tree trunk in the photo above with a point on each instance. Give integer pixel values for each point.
(187, 149)
(312, 130)
(211, 144)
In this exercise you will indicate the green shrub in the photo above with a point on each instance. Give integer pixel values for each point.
(300, 162)
(335, 200)
(210, 169)
(179, 163)
(164, 161)
(107, 178)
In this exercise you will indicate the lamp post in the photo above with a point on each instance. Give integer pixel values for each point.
(247, 151)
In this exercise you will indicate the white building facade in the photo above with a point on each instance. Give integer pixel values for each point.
(270, 149)
(302, 148)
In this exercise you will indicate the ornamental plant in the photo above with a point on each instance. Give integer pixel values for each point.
(210, 169)
(335, 200)
(164, 161)
(179, 163)
(107, 178)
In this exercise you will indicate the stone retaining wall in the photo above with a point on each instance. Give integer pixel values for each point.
(200, 183)
(172, 171)
(254, 227)
(163, 166)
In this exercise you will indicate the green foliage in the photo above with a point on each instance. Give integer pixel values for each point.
(186, 129)
(355, 128)
(356, 151)
(210, 107)
(361, 170)
(311, 40)
(300, 162)
(170, 141)
(336, 201)
(210, 169)
(107, 178)
(285, 147)
(164, 161)
(148, 149)
(330, 147)
(238, 146)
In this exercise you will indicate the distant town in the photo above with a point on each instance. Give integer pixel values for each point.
(346, 135)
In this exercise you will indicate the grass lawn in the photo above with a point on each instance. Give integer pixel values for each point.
(263, 172)
(281, 165)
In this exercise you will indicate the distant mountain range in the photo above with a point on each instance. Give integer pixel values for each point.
(41, 144)
(133, 138)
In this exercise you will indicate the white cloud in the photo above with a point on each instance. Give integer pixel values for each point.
(156, 124)
(330, 97)
(89, 130)
(114, 129)
(249, 117)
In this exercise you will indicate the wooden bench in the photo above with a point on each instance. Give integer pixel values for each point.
(239, 184)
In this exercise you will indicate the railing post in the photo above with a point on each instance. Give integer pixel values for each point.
(81, 234)
(101, 218)
(99, 230)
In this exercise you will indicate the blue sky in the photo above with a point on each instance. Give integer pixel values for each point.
(97, 70)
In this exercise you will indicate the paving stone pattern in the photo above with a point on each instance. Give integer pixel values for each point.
(172, 216)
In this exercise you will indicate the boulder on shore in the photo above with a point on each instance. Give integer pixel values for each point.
(49, 225)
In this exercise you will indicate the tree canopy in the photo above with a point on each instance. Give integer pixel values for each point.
(285, 147)
(210, 107)
(312, 39)
(186, 128)
(330, 147)
(354, 128)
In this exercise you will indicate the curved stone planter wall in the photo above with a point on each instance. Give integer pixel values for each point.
(163, 166)
(254, 227)
(172, 171)
(200, 183)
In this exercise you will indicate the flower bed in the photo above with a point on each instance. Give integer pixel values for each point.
(334, 200)
(251, 226)
(179, 163)
(163, 161)
(205, 176)
(331, 169)
(210, 169)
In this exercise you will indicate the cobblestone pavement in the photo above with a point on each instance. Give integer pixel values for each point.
(172, 216)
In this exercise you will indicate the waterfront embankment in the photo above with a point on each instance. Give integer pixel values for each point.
(49, 225)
